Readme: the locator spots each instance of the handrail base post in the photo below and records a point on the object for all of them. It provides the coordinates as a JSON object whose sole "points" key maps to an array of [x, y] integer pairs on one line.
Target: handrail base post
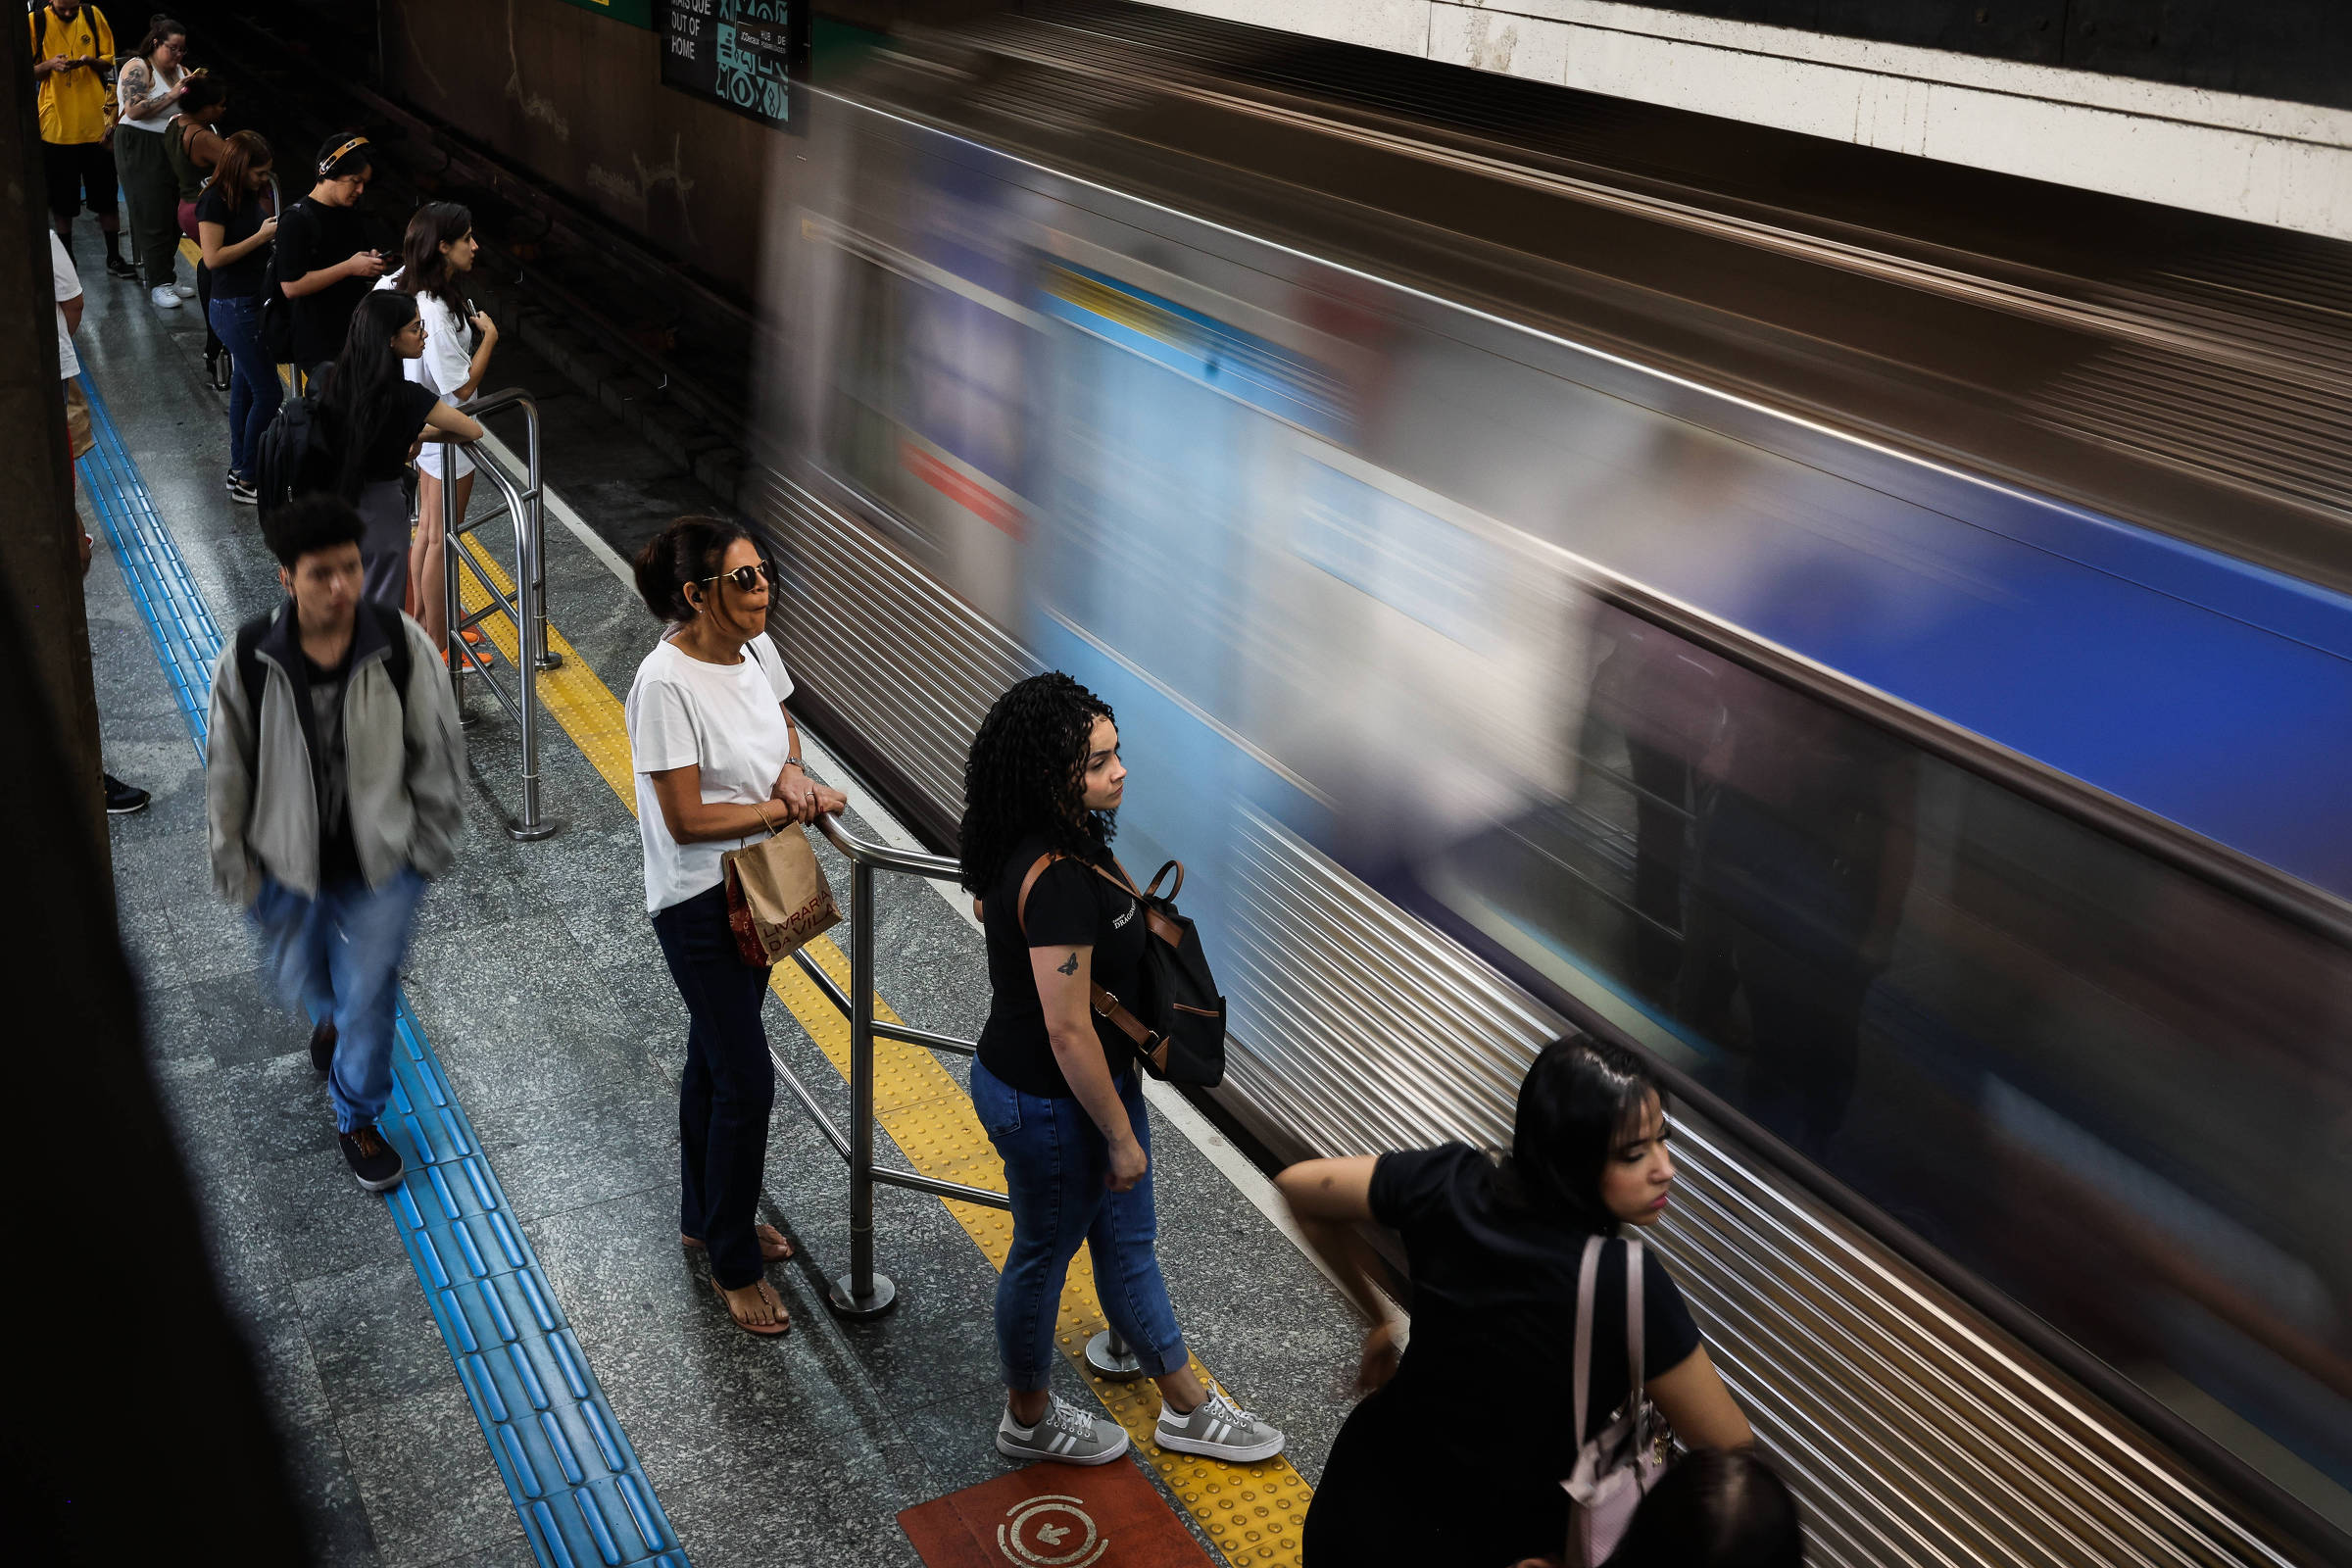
{"points": [[1108, 1358], [544, 828], [851, 1309]]}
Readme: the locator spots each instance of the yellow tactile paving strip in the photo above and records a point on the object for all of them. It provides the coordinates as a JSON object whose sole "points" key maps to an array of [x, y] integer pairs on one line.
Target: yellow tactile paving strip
{"points": [[1251, 1512]]}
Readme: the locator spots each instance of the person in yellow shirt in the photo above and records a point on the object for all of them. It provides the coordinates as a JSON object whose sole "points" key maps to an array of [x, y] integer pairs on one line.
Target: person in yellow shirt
{"points": [[72, 48]]}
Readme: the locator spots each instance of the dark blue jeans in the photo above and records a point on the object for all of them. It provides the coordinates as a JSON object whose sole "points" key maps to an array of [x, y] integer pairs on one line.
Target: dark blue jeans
{"points": [[253, 390], [1055, 1162], [729, 1087], [337, 957]]}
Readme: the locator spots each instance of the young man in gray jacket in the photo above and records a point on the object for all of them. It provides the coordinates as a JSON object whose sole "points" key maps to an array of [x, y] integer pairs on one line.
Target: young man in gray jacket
{"points": [[333, 772]]}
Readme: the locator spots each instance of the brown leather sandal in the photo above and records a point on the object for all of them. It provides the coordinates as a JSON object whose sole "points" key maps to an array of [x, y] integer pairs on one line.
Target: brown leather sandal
{"points": [[774, 1246], [767, 1331]]}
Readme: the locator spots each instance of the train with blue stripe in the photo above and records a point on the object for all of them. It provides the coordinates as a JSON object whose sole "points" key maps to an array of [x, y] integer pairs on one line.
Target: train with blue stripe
{"points": [[1894, 667]]}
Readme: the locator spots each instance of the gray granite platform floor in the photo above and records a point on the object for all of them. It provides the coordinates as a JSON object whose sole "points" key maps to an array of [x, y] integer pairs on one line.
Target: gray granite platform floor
{"points": [[536, 975]]}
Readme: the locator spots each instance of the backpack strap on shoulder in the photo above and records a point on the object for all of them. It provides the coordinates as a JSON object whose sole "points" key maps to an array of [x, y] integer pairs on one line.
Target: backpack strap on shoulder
{"points": [[1105, 1004], [249, 664]]}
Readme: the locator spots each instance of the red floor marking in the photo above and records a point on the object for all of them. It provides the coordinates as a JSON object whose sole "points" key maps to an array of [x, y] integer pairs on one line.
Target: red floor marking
{"points": [[1054, 1516]]}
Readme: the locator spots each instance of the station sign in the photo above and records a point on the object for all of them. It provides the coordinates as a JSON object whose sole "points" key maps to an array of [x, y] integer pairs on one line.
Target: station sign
{"points": [[749, 56]]}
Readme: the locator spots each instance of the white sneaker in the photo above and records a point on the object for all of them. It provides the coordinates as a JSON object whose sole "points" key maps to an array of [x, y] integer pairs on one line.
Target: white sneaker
{"points": [[165, 297], [1064, 1434], [186, 291], [1218, 1429]]}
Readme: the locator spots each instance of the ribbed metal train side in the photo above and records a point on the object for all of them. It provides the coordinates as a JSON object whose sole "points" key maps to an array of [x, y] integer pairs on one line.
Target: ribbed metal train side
{"points": [[1915, 1429]]}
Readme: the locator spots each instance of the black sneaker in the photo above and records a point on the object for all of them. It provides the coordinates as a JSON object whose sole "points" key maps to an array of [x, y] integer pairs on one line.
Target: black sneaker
{"points": [[375, 1162], [122, 800], [116, 267], [323, 1046], [243, 491]]}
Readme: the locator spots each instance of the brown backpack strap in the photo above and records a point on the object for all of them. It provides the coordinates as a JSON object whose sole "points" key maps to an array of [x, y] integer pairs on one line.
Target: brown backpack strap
{"points": [[1105, 1004]]}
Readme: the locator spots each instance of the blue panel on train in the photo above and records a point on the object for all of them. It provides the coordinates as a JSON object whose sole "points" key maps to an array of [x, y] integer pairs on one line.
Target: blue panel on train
{"points": [[1263, 374], [2209, 691]]}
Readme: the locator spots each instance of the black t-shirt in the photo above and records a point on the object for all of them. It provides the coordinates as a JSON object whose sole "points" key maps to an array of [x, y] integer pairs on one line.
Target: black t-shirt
{"points": [[383, 450], [387, 451], [330, 770], [312, 236], [1494, 1298], [242, 277], [1071, 906]]}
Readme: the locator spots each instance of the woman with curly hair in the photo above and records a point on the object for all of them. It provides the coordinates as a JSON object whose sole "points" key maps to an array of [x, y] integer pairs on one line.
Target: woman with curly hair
{"points": [[1058, 1096]]}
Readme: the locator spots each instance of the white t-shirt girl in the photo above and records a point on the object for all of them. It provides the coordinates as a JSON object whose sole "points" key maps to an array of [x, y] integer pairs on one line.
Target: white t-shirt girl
{"points": [[728, 720]]}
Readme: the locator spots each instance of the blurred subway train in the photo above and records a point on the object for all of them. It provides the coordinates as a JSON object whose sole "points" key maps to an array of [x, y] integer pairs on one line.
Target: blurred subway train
{"points": [[1875, 636]]}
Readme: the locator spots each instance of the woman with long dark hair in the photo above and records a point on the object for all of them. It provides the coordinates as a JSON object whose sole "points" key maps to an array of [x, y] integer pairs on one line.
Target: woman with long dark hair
{"points": [[1060, 1099], [375, 420], [148, 88], [1433, 1467], [437, 253], [718, 766], [235, 226]]}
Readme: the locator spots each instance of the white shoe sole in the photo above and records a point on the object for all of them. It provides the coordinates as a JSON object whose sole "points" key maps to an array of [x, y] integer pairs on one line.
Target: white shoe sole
{"points": [[1218, 1450], [1011, 1450]]}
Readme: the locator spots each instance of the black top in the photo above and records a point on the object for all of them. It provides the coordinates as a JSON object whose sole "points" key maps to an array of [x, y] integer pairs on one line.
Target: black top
{"points": [[385, 454], [312, 236], [330, 769], [1494, 1306], [242, 277], [1071, 906]]}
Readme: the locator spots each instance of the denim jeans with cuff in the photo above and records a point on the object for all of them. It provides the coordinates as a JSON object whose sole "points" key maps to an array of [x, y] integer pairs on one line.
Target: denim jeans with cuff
{"points": [[1056, 1165]]}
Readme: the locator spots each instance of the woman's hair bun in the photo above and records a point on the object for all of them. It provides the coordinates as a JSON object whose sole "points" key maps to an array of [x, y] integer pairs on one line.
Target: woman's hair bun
{"points": [[689, 550]]}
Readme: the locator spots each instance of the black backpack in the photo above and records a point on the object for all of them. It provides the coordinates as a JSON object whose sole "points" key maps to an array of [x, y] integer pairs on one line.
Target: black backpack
{"points": [[1178, 1023], [291, 455], [397, 663]]}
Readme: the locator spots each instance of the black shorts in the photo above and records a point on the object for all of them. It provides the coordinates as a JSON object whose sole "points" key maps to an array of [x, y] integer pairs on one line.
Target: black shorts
{"points": [[79, 172]]}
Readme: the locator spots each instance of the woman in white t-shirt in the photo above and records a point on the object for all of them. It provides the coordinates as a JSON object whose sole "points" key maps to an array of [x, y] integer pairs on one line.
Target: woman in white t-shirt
{"points": [[436, 254], [718, 763]]}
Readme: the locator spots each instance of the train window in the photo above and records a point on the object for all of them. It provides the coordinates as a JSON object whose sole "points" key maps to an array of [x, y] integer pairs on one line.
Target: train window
{"points": [[2110, 1088], [928, 403]]}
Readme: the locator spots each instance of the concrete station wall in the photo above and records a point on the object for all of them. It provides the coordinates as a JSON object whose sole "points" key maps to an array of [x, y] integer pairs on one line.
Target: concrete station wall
{"points": [[577, 98]]}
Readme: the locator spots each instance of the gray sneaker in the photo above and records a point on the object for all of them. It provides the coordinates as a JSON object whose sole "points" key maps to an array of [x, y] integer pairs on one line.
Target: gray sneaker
{"points": [[1218, 1429], [1064, 1434]]}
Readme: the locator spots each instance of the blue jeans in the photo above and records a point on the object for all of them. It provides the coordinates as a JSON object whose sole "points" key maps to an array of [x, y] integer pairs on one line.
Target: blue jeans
{"points": [[253, 390], [337, 957], [1056, 1165]]}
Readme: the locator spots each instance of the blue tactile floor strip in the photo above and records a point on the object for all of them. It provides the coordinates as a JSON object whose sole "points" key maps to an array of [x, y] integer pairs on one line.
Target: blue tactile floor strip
{"points": [[575, 1480]]}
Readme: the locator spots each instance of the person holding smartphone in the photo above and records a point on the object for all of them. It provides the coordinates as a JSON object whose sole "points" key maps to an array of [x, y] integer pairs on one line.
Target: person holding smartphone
{"points": [[153, 81], [327, 260], [436, 255]]}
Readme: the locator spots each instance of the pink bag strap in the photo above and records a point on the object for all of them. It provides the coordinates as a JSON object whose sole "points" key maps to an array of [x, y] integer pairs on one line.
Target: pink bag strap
{"points": [[1588, 1277], [1588, 1291]]}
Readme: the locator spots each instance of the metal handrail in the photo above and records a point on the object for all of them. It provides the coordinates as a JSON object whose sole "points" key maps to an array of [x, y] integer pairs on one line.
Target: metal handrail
{"points": [[526, 606], [861, 1292]]}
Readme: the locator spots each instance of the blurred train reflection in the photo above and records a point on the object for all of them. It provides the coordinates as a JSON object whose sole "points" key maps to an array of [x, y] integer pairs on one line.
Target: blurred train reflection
{"points": [[1983, 847]]}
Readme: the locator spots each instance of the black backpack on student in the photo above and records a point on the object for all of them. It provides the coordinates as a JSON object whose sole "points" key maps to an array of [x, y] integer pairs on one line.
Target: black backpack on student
{"points": [[396, 662], [291, 454], [1178, 1023]]}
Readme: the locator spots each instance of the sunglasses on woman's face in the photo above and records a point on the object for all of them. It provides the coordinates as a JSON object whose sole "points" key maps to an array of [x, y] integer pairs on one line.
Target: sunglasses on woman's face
{"points": [[744, 577]]}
